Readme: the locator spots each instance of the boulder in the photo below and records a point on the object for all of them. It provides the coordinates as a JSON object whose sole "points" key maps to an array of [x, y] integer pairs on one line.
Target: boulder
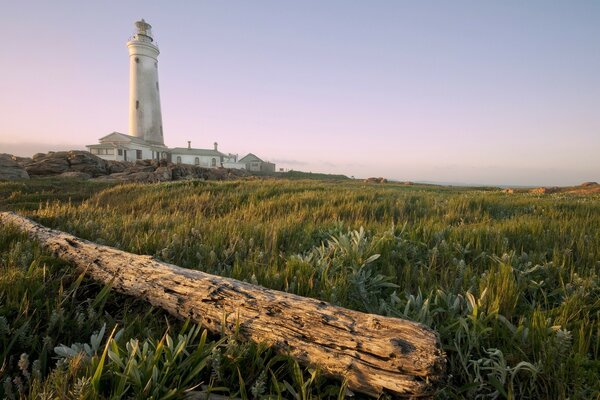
{"points": [[50, 164], [143, 177], [10, 169], [181, 171], [545, 190], [144, 163], [163, 174], [22, 161], [113, 167], [376, 180], [130, 169], [217, 174], [83, 161]]}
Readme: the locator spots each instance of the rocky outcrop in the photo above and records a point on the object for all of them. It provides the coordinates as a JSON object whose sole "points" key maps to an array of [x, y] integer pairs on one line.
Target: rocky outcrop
{"points": [[376, 180], [10, 168], [84, 165], [83, 161], [545, 190], [49, 164], [57, 163]]}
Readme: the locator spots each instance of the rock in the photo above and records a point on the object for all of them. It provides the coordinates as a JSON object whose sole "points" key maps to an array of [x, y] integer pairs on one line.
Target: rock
{"points": [[376, 180], [22, 161], [545, 190], [116, 166], [83, 161], [143, 177], [180, 171], [144, 163], [130, 169], [163, 173], [588, 184], [56, 163], [50, 164], [75, 175], [10, 169], [217, 174]]}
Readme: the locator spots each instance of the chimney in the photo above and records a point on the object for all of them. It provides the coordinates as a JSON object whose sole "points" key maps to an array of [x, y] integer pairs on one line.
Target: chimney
{"points": [[216, 144], [189, 144]]}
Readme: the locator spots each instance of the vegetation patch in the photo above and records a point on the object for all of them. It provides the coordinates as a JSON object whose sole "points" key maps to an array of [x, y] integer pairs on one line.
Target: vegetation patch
{"points": [[510, 282]]}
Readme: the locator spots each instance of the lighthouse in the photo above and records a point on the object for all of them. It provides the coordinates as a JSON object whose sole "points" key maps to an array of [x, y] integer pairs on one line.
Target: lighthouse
{"points": [[145, 119], [145, 139]]}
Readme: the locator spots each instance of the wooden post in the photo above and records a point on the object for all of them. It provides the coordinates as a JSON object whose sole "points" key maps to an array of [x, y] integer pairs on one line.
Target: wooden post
{"points": [[375, 354]]}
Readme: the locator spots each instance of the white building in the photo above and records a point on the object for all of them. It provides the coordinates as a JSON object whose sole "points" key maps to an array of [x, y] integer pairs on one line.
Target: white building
{"points": [[206, 158], [120, 147]]}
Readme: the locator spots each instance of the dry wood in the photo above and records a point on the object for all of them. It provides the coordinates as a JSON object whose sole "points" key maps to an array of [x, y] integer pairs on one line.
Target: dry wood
{"points": [[374, 354]]}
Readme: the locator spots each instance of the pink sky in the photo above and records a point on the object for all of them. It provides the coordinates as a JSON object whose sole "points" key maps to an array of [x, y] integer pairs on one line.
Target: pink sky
{"points": [[504, 93]]}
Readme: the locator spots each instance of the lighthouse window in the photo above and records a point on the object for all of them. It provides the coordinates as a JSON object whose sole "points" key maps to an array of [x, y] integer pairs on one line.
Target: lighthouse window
{"points": [[137, 104], [156, 85], [137, 60]]}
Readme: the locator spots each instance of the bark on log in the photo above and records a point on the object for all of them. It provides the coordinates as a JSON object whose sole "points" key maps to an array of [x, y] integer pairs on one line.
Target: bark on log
{"points": [[375, 354]]}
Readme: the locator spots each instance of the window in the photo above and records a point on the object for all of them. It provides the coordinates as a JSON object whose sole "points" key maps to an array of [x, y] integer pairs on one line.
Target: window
{"points": [[213, 162], [137, 60], [103, 151], [197, 161], [138, 154], [157, 85], [137, 104], [120, 152], [178, 160]]}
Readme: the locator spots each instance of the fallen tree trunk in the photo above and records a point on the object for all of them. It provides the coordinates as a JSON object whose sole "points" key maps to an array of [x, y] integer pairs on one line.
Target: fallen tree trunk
{"points": [[375, 354]]}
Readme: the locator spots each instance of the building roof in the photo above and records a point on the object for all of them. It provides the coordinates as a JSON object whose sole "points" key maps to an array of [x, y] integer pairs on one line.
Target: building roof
{"points": [[249, 158], [196, 152], [119, 137], [106, 146]]}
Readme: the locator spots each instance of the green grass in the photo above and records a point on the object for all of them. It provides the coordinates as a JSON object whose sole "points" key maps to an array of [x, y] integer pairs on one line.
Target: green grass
{"points": [[510, 282]]}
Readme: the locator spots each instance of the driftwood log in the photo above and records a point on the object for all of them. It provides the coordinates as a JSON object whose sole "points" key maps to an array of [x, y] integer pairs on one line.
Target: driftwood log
{"points": [[375, 354]]}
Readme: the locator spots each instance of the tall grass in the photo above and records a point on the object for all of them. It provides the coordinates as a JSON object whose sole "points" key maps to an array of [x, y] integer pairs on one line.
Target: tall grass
{"points": [[509, 281]]}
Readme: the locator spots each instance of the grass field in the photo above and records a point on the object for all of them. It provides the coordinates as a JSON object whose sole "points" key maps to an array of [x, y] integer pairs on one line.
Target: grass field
{"points": [[510, 282]]}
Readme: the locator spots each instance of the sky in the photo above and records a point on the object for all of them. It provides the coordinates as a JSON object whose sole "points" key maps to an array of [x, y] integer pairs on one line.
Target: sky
{"points": [[503, 93]]}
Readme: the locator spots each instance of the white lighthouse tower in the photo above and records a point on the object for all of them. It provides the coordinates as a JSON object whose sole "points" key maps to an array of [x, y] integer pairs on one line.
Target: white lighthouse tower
{"points": [[145, 119]]}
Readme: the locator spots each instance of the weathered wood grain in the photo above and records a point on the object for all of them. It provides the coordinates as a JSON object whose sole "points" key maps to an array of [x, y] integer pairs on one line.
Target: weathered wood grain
{"points": [[375, 354]]}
